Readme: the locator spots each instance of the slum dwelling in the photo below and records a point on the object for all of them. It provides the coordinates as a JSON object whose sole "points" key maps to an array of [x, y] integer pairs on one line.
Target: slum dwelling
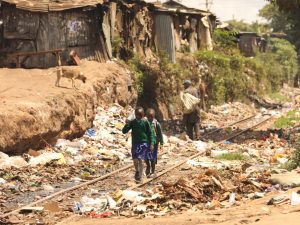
{"points": [[180, 27], [37, 34], [139, 27]]}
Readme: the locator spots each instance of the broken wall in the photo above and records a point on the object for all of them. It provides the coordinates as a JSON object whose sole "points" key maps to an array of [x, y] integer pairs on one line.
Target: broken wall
{"points": [[76, 29], [132, 25]]}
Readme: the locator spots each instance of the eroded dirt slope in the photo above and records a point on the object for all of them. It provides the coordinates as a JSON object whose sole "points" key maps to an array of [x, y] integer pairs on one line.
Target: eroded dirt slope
{"points": [[33, 111]]}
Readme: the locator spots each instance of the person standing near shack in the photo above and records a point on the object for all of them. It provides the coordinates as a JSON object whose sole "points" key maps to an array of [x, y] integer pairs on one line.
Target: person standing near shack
{"points": [[191, 120]]}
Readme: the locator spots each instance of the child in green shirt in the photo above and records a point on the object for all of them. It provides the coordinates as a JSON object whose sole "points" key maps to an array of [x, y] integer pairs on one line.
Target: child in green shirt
{"points": [[158, 136], [142, 141]]}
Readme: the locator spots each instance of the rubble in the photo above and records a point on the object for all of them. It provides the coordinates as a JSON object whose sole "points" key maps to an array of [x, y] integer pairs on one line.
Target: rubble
{"points": [[231, 111], [209, 189]]}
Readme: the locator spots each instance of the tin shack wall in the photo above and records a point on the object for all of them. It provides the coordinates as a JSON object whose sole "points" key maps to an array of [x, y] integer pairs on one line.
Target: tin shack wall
{"points": [[75, 29]]}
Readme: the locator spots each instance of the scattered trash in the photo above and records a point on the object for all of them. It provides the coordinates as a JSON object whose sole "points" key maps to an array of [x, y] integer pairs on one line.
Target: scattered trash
{"points": [[91, 132], [218, 153], [94, 214], [232, 199], [47, 157], [90, 204], [14, 161], [295, 199], [48, 188], [31, 209], [2, 181], [277, 200]]}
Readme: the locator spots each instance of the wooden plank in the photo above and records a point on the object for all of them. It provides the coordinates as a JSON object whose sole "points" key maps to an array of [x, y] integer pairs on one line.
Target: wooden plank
{"points": [[35, 53]]}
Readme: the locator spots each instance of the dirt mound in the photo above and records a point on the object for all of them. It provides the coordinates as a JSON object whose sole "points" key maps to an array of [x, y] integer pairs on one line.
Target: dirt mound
{"points": [[34, 111]]}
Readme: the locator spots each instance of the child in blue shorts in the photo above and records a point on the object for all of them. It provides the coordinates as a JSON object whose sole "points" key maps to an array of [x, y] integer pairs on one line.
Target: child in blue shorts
{"points": [[151, 159]]}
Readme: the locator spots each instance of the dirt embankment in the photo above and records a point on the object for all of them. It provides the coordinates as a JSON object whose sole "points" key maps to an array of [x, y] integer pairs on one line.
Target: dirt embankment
{"points": [[33, 111]]}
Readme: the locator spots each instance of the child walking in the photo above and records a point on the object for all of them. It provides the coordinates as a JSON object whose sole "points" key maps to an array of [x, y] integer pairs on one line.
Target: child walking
{"points": [[151, 160], [142, 141]]}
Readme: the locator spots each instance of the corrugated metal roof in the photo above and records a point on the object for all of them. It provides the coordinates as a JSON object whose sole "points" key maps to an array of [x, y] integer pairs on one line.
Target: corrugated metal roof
{"points": [[51, 5], [172, 6]]}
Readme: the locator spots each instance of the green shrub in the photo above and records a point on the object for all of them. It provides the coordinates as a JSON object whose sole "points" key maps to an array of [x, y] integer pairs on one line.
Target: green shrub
{"points": [[231, 156], [288, 120]]}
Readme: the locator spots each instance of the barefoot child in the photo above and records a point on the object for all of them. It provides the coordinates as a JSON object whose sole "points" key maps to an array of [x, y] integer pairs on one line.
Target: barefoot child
{"points": [[158, 137], [142, 141]]}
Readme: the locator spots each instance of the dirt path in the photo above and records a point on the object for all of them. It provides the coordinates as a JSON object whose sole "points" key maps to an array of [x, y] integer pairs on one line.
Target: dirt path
{"points": [[33, 109]]}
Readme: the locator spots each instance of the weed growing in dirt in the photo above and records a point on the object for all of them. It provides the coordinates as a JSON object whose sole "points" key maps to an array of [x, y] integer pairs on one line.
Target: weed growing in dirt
{"points": [[277, 96], [294, 162], [289, 120], [231, 156]]}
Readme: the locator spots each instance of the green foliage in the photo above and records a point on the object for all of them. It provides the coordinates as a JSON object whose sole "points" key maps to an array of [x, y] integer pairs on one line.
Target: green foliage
{"points": [[242, 26], [139, 74], [116, 46], [294, 162], [227, 81], [288, 121], [224, 39], [277, 96], [287, 56], [231, 156], [278, 21]]}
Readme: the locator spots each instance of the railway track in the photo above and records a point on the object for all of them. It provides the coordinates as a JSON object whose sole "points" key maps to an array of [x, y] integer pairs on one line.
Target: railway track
{"points": [[122, 172]]}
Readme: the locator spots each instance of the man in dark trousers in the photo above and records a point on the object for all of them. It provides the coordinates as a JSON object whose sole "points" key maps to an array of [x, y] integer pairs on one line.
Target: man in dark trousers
{"points": [[192, 120]]}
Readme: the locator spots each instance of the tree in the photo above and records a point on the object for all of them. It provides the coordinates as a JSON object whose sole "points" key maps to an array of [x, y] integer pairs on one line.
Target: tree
{"points": [[278, 20], [286, 17], [242, 26]]}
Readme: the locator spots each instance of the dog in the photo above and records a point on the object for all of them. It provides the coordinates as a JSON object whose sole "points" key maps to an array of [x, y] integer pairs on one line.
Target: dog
{"points": [[70, 73]]}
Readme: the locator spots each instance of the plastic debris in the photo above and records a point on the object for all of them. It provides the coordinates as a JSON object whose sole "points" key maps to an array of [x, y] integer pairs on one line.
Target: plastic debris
{"points": [[46, 158], [91, 132], [14, 161], [295, 199], [2, 181], [232, 199], [218, 153], [92, 204]]}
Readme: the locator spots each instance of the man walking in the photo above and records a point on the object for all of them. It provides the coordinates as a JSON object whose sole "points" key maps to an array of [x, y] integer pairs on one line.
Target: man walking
{"points": [[192, 120]]}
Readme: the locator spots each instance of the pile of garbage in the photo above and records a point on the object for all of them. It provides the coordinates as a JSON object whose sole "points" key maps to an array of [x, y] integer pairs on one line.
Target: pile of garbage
{"points": [[209, 189], [269, 149], [229, 112], [102, 148], [104, 141]]}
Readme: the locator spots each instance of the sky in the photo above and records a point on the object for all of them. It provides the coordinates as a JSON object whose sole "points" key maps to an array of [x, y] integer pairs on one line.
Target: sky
{"points": [[246, 10]]}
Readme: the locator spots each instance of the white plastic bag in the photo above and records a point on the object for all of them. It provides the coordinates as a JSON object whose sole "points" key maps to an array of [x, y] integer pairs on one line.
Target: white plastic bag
{"points": [[189, 101], [295, 199]]}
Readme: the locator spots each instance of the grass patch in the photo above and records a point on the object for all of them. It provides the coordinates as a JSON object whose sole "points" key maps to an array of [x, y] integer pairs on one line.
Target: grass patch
{"points": [[277, 96], [288, 121], [293, 163], [231, 156]]}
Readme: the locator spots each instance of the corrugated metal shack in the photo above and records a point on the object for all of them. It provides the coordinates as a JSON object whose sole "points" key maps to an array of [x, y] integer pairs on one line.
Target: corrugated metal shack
{"points": [[247, 42], [37, 26], [99, 29], [180, 27]]}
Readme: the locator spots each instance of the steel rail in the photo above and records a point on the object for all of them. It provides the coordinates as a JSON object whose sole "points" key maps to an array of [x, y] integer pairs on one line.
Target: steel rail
{"points": [[227, 126]]}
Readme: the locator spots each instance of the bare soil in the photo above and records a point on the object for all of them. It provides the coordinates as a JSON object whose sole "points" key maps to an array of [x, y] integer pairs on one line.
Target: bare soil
{"points": [[34, 111]]}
